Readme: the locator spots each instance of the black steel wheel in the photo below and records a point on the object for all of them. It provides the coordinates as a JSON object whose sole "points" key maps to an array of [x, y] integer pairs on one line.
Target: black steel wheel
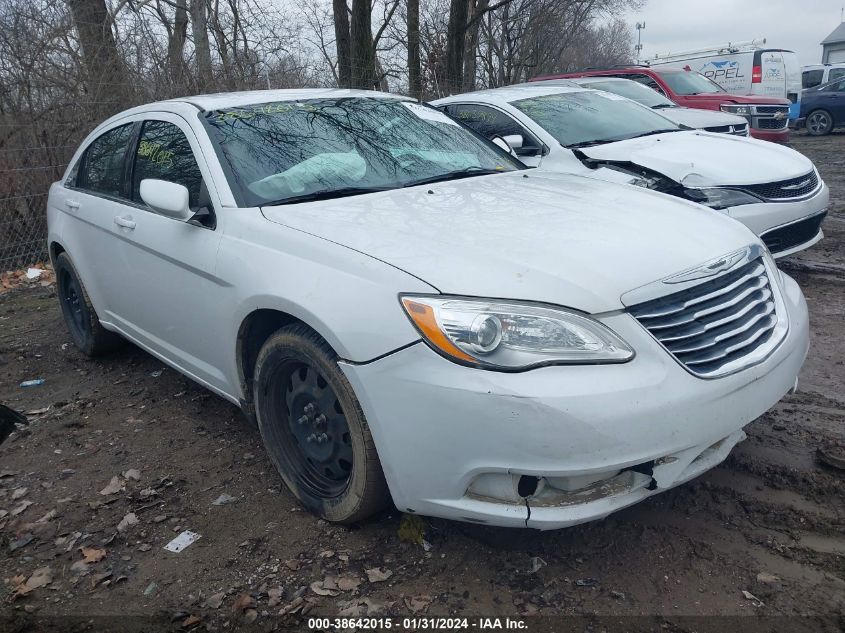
{"points": [[314, 429], [80, 317]]}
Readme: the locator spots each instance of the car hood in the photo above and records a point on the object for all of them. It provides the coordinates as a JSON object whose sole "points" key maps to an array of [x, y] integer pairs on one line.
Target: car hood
{"points": [[700, 119], [701, 159], [536, 236]]}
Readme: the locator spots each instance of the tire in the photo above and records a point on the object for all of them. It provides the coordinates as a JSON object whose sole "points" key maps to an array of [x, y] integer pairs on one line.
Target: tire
{"points": [[819, 123], [81, 319], [314, 429]]}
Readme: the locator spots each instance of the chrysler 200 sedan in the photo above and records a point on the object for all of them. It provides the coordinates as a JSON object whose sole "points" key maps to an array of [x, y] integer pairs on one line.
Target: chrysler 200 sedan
{"points": [[409, 314], [773, 190]]}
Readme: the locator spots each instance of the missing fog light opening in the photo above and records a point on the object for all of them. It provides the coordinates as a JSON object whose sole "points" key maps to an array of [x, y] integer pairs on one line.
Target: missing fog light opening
{"points": [[527, 486]]}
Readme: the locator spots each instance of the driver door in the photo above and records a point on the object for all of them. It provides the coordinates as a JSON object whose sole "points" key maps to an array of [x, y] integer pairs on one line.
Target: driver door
{"points": [[171, 291]]}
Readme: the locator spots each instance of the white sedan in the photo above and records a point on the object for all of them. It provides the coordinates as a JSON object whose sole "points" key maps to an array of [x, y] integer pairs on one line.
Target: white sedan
{"points": [[773, 190], [695, 118], [408, 313]]}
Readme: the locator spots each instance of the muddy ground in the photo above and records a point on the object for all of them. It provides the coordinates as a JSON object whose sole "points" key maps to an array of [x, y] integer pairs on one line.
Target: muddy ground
{"points": [[763, 535]]}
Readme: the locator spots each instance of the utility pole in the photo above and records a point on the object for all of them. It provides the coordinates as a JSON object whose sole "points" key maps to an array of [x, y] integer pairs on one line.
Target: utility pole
{"points": [[639, 46]]}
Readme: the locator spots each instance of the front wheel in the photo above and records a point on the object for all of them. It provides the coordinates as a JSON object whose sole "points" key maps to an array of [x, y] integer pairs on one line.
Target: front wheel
{"points": [[819, 123], [314, 429]]}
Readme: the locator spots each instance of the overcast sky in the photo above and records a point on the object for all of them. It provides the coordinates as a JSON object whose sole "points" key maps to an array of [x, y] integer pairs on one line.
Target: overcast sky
{"points": [[679, 25]]}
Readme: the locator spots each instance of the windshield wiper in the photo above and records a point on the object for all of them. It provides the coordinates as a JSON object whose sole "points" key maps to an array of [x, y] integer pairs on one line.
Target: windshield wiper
{"points": [[660, 106], [454, 175], [652, 133], [597, 141], [343, 192]]}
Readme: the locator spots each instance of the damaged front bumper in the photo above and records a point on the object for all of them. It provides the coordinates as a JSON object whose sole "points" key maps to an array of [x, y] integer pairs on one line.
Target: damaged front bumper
{"points": [[557, 446]]}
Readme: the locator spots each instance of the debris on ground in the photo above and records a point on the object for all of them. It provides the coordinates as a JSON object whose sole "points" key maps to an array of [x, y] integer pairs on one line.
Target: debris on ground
{"points": [[377, 575], [586, 582], [22, 585], [39, 275], [114, 486], [182, 541], [754, 599], [412, 529], [223, 500], [831, 457]]}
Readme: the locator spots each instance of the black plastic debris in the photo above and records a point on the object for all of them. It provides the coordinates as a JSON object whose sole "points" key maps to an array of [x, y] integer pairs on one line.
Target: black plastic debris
{"points": [[8, 419]]}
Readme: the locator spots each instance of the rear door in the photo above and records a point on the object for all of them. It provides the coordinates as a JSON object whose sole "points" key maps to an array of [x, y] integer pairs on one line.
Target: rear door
{"points": [[833, 99], [95, 193], [773, 75], [171, 290]]}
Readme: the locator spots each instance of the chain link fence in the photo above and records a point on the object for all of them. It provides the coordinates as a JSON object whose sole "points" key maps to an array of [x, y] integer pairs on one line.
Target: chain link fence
{"points": [[33, 155]]}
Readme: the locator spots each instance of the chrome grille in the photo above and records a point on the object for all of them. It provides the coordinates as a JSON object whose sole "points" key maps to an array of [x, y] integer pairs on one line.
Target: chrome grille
{"points": [[771, 124], [784, 189], [771, 109], [712, 325]]}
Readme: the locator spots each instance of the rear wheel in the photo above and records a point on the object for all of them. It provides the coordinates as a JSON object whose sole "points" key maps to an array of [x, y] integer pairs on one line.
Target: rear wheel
{"points": [[314, 429], [819, 122], [80, 317]]}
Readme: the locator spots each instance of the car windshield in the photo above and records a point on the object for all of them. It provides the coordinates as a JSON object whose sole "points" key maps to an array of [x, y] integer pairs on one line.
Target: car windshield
{"points": [[690, 83], [577, 119], [291, 151], [633, 90]]}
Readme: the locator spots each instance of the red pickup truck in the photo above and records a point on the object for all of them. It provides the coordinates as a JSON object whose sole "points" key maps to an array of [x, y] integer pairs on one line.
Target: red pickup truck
{"points": [[768, 117]]}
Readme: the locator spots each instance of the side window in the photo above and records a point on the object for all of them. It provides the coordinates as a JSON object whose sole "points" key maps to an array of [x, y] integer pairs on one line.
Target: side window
{"points": [[102, 166], [647, 81], [836, 73], [811, 78], [490, 122], [165, 154]]}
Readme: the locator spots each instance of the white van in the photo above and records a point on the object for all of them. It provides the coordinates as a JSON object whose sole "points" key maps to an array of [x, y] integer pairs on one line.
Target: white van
{"points": [[745, 69], [818, 74]]}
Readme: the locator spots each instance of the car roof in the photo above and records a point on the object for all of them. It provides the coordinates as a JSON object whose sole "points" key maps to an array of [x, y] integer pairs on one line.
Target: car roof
{"points": [[598, 78], [242, 99], [507, 94], [224, 100]]}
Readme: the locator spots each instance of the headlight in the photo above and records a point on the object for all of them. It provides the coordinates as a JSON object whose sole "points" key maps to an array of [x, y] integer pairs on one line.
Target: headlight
{"points": [[720, 197], [741, 110], [511, 335]]}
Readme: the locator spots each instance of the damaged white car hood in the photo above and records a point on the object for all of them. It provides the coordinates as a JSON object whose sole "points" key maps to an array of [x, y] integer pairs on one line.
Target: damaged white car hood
{"points": [[528, 235], [708, 160]]}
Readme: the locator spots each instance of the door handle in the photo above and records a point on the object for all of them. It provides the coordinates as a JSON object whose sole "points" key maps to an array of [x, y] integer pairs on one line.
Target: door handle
{"points": [[126, 223], [72, 204]]}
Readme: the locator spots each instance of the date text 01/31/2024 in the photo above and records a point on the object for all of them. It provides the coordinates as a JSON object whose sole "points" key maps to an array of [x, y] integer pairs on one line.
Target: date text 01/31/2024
{"points": [[416, 624]]}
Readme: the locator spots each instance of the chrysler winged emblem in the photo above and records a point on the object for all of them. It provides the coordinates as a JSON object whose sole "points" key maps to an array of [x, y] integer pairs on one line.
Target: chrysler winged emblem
{"points": [[799, 185], [709, 269]]}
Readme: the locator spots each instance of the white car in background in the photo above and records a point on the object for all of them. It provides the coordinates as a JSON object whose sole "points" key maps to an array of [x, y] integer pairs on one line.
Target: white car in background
{"points": [[773, 190], [820, 74], [410, 313], [707, 120]]}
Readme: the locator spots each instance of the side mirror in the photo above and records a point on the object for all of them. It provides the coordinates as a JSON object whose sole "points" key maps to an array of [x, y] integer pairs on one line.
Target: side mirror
{"points": [[167, 198], [500, 142], [514, 141]]}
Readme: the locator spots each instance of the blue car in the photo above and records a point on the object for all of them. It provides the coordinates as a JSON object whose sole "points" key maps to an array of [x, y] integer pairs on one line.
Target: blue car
{"points": [[823, 108]]}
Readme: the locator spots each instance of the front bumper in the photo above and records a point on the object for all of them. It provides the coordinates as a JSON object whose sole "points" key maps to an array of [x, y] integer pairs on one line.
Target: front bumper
{"points": [[764, 217], [775, 136], [442, 429]]}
